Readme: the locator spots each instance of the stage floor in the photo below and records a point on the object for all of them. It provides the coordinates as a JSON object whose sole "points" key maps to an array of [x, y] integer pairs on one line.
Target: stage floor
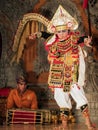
{"points": [[74, 126]]}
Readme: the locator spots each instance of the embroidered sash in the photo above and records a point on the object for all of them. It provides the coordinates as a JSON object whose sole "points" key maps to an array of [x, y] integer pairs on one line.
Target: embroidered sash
{"points": [[64, 69]]}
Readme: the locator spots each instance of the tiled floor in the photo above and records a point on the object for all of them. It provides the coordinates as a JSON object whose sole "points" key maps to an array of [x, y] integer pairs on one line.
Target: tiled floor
{"points": [[74, 126]]}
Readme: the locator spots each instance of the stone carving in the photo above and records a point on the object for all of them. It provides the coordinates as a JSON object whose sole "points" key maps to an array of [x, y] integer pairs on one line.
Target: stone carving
{"points": [[91, 75]]}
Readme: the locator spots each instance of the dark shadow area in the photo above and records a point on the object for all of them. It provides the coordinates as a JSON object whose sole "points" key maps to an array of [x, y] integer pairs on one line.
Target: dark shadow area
{"points": [[0, 45]]}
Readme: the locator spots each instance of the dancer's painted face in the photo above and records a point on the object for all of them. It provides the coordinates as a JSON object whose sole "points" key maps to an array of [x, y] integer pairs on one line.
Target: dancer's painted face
{"points": [[62, 34]]}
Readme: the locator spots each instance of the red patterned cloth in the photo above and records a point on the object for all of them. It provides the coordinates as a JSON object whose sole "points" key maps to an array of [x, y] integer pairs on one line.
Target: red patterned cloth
{"points": [[4, 92], [23, 116]]}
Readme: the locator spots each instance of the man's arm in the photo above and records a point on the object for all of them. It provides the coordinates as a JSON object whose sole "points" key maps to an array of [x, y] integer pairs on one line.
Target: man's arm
{"points": [[42, 34], [34, 104], [81, 39], [10, 101], [86, 40], [45, 34]]}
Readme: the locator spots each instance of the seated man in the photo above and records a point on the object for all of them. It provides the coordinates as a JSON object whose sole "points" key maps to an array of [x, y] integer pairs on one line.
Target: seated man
{"points": [[21, 97]]}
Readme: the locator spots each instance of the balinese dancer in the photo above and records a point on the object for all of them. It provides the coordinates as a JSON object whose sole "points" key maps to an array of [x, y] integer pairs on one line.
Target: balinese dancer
{"points": [[67, 66]]}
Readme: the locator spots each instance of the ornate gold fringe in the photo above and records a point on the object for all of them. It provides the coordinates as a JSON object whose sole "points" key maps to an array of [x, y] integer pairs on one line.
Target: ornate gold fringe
{"points": [[23, 32]]}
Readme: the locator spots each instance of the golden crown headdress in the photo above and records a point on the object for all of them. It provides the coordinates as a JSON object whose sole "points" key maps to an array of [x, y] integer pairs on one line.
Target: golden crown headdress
{"points": [[62, 20]]}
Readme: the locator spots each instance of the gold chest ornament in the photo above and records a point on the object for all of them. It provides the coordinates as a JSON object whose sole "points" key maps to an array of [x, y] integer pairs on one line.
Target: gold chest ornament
{"points": [[64, 68]]}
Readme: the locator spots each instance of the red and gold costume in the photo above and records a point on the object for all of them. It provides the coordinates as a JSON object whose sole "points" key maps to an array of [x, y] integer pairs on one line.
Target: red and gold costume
{"points": [[67, 65], [64, 60]]}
